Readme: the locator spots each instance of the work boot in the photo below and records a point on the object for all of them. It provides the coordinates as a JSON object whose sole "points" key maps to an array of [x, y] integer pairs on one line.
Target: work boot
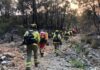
{"points": [[36, 64], [28, 68], [42, 54], [57, 54]]}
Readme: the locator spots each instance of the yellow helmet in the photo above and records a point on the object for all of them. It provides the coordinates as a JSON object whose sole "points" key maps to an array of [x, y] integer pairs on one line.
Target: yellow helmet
{"points": [[57, 31], [33, 25]]}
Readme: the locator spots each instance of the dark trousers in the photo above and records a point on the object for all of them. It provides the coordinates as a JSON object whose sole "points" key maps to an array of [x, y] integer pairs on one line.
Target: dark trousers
{"points": [[31, 49], [56, 46]]}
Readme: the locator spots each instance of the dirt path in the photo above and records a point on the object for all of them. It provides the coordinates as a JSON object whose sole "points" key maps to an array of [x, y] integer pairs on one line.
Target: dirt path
{"points": [[52, 62], [48, 62]]}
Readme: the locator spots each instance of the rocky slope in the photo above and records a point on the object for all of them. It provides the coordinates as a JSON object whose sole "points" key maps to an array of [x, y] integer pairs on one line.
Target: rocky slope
{"points": [[71, 57]]}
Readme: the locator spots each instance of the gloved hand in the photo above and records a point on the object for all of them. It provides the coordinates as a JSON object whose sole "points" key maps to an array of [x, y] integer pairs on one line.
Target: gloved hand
{"points": [[47, 43], [60, 43]]}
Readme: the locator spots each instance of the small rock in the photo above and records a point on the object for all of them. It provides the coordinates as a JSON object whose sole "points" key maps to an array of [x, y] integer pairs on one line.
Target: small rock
{"points": [[98, 36], [3, 57], [4, 62], [8, 54]]}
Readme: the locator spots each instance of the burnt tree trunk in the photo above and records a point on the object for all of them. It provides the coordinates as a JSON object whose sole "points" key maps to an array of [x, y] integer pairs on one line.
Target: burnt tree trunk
{"points": [[34, 16]]}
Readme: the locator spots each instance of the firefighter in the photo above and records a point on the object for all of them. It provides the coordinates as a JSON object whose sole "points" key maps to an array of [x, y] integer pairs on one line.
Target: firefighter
{"points": [[31, 39], [57, 41]]}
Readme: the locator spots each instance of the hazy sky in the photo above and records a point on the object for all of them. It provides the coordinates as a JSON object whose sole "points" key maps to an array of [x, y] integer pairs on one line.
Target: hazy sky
{"points": [[73, 5]]}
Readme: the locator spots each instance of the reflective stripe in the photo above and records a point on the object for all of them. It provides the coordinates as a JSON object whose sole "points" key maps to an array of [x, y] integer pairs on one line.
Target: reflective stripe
{"points": [[56, 50], [55, 42], [35, 44], [36, 61], [28, 64]]}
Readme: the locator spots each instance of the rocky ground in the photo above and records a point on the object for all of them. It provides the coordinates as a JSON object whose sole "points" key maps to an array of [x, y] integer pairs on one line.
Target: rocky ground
{"points": [[71, 57], [11, 58]]}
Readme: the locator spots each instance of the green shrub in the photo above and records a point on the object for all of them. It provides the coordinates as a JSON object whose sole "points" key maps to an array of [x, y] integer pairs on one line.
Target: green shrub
{"points": [[3, 27], [77, 63]]}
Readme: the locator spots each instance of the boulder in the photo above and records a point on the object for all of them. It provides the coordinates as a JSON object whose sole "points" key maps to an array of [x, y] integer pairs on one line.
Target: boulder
{"points": [[9, 55]]}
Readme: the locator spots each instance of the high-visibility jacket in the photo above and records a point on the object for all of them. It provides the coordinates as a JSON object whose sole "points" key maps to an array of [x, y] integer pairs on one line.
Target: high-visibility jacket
{"points": [[46, 36], [35, 34]]}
